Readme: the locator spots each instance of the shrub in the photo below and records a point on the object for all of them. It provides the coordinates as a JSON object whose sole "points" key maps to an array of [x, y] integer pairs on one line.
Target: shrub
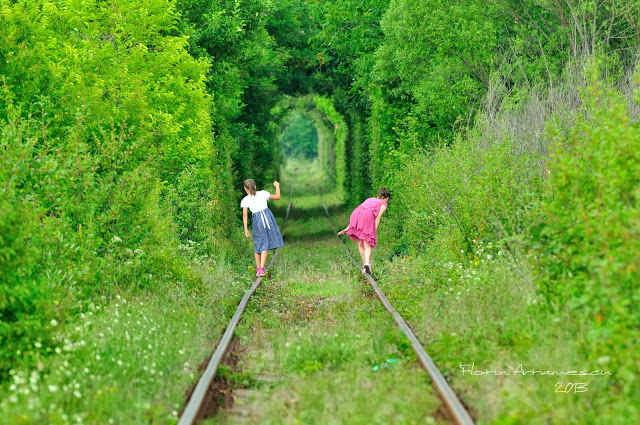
{"points": [[587, 231], [25, 300]]}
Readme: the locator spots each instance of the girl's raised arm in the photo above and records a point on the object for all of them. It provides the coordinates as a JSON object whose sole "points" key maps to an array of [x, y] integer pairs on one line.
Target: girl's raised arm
{"points": [[277, 195]]}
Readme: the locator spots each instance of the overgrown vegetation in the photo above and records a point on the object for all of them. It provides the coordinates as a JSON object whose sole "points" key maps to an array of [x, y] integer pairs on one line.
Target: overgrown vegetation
{"points": [[507, 132]]}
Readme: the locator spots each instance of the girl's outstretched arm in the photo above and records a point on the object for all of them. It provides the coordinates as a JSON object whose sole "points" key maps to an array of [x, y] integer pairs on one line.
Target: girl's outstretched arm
{"points": [[277, 195], [343, 232], [383, 208], [244, 220]]}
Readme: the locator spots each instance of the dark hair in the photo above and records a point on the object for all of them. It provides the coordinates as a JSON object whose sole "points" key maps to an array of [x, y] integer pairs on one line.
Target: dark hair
{"points": [[251, 185], [384, 193]]}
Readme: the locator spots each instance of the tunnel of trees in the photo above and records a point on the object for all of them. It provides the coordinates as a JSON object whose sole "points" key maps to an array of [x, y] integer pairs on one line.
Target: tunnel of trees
{"points": [[128, 128]]}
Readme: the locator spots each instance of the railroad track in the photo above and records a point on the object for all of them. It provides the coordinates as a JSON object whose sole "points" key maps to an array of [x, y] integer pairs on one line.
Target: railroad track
{"points": [[458, 412], [192, 413]]}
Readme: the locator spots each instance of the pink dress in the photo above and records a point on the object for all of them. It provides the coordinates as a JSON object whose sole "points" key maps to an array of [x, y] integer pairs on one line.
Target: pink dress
{"points": [[362, 224]]}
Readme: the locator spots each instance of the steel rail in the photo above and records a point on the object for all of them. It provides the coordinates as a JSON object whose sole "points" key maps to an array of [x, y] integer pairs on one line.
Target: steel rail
{"points": [[458, 412], [191, 413]]}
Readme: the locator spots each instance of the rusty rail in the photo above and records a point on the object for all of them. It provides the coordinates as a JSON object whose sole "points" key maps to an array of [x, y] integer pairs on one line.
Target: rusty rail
{"points": [[191, 413]]}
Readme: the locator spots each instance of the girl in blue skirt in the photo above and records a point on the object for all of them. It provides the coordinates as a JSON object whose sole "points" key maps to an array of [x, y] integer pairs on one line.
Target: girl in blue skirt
{"points": [[266, 235]]}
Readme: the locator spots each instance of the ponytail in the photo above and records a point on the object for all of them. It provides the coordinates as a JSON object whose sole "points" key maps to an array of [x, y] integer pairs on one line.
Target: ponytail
{"points": [[251, 185]]}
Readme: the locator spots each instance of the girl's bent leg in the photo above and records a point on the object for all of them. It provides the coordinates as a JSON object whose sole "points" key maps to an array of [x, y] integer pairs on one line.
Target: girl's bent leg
{"points": [[367, 253], [263, 258], [257, 260]]}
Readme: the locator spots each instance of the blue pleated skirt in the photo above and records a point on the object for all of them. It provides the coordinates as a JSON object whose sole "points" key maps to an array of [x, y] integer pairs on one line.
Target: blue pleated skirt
{"points": [[266, 234]]}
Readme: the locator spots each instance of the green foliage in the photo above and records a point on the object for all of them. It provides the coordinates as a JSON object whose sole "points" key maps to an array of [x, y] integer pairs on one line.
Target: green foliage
{"points": [[299, 136], [81, 231], [230, 37], [292, 25], [412, 73], [349, 36], [437, 57], [340, 134], [326, 141], [587, 231], [143, 347], [102, 102], [195, 218], [591, 203], [25, 309], [460, 195], [125, 127], [492, 219]]}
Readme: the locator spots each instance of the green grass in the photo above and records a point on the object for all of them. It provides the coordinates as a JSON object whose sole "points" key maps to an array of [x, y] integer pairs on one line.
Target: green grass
{"points": [[127, 361], [307, 177], [489, 314]]}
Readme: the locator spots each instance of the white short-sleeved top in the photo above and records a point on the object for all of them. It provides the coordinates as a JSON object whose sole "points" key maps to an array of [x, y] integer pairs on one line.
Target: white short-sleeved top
{"points": [[257, 202]]}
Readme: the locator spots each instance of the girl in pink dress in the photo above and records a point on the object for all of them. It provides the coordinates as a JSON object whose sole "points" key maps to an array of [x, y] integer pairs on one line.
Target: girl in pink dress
{"points": [[363, 224]]}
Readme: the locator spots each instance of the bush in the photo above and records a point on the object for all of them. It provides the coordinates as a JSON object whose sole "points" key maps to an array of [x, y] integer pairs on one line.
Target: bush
{"points": [[460, 195], [562, 205], [25, 300], [587, 231]]}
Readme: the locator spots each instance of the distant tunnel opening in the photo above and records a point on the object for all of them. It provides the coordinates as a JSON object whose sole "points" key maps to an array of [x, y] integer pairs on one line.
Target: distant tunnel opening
{"points": [[299, 136], [311, 138]]}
